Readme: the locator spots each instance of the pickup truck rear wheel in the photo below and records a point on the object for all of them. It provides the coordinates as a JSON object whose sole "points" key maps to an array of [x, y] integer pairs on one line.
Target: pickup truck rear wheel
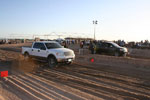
{"points": [[26, 57], [52, 62]]}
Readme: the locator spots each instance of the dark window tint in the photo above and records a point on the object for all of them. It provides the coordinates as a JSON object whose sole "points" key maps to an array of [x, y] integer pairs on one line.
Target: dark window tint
{"points": [[36, 45], [99, 45], [115, 45], [53, 45], [109, 45], [39, 45], [104, 45]]}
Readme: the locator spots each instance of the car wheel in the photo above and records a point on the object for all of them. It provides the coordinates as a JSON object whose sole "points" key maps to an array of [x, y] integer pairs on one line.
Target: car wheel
{"points": [[52, 62], [116, 54], [124, 55], [26, 56]]}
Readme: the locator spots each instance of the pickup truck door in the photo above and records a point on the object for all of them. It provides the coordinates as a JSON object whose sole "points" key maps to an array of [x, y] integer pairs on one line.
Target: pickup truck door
{"points": [[111, 49], [103, 48], [39, 50], [42, 52], [35, 49]]}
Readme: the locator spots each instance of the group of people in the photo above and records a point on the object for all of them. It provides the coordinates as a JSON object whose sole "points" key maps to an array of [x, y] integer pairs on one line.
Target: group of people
{"points": [[92, 46]]}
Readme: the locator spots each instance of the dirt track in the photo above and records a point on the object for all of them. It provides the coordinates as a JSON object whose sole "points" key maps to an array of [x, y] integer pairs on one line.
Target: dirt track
{"points": [[79, 81]]}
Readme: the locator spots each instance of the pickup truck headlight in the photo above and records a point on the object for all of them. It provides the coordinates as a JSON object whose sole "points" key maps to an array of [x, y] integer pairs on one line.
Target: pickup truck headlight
{"points": [[121, 49], [124, 50], [60, 53]]}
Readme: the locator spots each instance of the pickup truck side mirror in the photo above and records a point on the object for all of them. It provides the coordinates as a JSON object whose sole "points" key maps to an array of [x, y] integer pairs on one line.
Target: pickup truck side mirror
{"points": [[42, 48]]}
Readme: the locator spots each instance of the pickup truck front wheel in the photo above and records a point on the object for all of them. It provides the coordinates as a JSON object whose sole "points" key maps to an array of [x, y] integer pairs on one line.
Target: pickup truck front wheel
{"points": [[52, 62], [116, 54]]}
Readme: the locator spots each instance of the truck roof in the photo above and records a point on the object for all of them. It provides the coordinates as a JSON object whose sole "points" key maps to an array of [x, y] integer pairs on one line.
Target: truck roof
{"points": [[45, 42]]}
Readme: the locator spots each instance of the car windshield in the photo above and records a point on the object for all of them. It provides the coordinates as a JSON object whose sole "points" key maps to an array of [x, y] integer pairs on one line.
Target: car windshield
{"points": [[116, 45], [53, 45]]}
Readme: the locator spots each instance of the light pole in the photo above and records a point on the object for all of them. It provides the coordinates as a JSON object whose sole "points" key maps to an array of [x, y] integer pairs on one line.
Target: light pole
{"points": [[95, 22]]}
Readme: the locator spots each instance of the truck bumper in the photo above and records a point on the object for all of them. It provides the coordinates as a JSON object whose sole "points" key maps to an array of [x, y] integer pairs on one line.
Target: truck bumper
{"points": [[65, 60]]}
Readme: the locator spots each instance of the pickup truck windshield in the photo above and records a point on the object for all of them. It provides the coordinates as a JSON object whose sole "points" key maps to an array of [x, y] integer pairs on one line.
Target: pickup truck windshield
{"points": [[53, 45], [116, 45]]}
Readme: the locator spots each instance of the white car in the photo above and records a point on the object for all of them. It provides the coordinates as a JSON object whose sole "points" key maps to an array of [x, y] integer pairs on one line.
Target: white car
{"points": [[50, 51]]}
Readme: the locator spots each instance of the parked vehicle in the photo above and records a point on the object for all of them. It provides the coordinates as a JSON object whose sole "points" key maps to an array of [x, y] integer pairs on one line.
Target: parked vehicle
{"points": [[50, 51], [111, 48]]}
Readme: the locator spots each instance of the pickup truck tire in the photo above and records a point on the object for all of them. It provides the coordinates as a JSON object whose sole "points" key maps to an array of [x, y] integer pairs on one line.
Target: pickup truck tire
{"points": [[124, 55], [26, 56], [52, 62]]}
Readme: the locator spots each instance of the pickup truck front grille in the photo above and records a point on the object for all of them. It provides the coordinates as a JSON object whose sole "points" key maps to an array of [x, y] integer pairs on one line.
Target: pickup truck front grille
{"points": [[68, 54]]}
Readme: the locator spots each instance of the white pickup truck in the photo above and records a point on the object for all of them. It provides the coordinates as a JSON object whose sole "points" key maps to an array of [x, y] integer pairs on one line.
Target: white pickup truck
{"points": [[50, 51]]}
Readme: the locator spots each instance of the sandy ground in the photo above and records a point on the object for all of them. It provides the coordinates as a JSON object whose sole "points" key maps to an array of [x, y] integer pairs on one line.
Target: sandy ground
{"points": [[107, 78]]}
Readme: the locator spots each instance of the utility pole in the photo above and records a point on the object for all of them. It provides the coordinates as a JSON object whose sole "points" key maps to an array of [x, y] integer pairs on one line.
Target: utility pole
{"points": [[95, 22]]}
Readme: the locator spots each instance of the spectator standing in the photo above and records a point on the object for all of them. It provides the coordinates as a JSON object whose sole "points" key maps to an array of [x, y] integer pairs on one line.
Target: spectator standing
{"points": [[91, 47], [64, 44], [81, 44]]}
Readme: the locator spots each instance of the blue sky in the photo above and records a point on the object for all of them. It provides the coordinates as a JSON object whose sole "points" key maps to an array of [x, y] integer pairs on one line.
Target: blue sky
{"points": [[117, 19]]}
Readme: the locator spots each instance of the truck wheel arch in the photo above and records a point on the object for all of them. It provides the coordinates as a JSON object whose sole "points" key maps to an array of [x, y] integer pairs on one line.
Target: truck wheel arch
{"points": [[52, 61], [27, 56], [26, 53], [51, 55]]}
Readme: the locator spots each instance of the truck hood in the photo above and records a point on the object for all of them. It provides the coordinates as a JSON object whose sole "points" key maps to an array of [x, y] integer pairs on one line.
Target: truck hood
{"points": [[61, 50], [124, 49]]}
